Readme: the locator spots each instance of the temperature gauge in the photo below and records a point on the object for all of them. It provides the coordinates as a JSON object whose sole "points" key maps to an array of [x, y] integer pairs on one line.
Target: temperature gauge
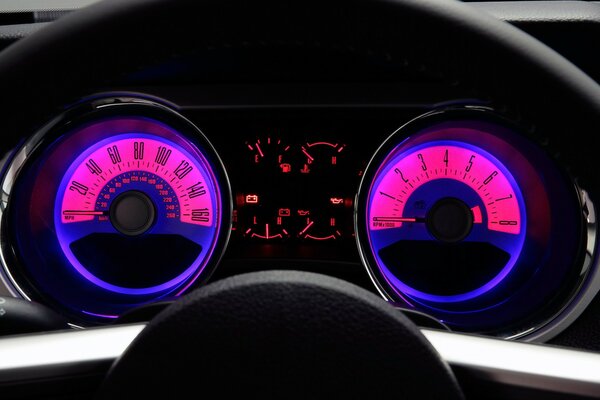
{"points": [[320, 157]]}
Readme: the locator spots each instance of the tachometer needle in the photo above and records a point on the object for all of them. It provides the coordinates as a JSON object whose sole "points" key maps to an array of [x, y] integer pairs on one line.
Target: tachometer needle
{"points": [[397, 219], [84, 212]]}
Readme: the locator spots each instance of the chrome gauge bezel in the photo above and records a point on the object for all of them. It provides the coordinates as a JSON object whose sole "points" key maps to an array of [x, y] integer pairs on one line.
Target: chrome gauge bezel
{"points": [[100, 106], [585, 269]]}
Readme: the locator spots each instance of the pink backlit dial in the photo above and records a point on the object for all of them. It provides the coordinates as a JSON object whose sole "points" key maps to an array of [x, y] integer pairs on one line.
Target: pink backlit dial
{"points": [[187, 180], [462, 164]]}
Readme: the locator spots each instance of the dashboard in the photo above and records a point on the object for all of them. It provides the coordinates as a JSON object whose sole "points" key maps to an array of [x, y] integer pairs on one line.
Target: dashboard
{"points": [[452, 209], [304, 188]]}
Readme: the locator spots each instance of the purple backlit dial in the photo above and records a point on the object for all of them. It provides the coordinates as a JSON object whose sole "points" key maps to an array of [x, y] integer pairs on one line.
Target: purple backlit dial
{"points": [[455, 217], [126, 195], [118, 203], [446, 221]]}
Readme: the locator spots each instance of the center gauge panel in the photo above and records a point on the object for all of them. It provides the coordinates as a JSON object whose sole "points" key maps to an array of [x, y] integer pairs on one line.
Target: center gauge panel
{"points": [[294, 176], [295, 192]]}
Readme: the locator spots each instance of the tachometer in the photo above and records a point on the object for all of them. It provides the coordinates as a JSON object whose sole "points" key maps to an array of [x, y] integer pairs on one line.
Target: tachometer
{"points": [[121, 202], [461, 217], [446, 202]]}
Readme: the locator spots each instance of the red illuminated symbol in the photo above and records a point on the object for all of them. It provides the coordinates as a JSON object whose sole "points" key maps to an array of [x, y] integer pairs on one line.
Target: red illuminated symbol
{"points": [[303, 213], [285, 168], [284, 212], [305, 169], [336, 200], [251, 198]]}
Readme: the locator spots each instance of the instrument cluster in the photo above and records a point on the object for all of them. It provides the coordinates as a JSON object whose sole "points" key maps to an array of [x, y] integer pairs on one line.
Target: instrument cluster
{"points": [[124, 201]]}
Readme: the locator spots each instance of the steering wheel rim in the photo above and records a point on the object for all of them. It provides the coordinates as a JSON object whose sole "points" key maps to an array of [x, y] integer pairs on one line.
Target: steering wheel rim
{"points": [[468, 44], [282, 334]]}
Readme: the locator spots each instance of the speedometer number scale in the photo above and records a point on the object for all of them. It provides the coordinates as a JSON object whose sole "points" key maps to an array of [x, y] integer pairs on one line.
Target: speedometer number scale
{"points": [[118, 203], [148, 189]]}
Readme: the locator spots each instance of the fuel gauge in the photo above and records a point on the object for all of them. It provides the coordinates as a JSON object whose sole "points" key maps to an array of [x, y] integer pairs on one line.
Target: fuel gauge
{"points": [[271, 154]]}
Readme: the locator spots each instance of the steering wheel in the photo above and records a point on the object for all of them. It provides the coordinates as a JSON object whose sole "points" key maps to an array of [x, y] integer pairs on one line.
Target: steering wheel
{"points": [[285, 333]]}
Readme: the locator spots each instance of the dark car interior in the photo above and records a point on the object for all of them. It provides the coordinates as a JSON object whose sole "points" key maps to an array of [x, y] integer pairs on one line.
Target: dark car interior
{"points": [[299, 199]]}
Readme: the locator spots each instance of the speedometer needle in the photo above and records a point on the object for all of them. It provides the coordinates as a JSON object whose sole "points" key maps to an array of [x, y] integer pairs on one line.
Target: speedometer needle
{"points": [[84, 212]]}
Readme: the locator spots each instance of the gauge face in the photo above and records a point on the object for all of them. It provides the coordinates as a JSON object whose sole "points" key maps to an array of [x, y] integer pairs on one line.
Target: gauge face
{"points": [[295, 192], [441, 201], [264, 218], [460, 217], [270, 154], [321, 157], [125, 203], [129, 206]]}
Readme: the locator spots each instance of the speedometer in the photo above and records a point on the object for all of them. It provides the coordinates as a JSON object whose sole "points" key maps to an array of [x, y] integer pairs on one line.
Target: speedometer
{"points": [[462, 217], [134, 213], [118, 203]]}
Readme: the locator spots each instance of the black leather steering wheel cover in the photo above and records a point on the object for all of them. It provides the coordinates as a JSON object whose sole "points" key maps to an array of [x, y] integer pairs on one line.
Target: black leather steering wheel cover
{"points": [[281, 334], [96, 46]]}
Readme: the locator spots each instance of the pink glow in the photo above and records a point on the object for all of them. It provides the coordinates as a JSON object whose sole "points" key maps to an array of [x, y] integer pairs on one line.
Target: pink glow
{"points": [[389, 196], [83, 188]]}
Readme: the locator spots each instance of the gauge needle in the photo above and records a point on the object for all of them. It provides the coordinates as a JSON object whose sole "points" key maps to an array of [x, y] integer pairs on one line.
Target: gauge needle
{"points": [[306, 228], [259, 150], [397, 219], [84, 212], [311, 158]]}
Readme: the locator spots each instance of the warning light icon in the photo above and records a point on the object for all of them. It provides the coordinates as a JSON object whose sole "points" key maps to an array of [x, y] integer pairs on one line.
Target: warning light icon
{"points": [[285, 168], [251, 199]]}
